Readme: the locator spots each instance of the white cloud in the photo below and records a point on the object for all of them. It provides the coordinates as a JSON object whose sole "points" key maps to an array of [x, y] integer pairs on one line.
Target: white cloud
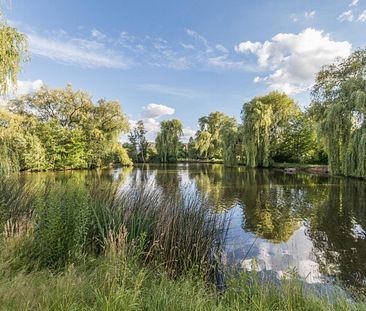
{"points": [[221, 48], [224, 62], [97, 34], [362, 16], [156, 111], [100, 50], [151, 125], [199, 38], [26, 87], [87, 53], [22, 88], [346, 16], [292, 60], [310, 14], [171, 90], [354, 3], [187, 46], [257, 79], [149, 116], [187, 133], [248, 47]]}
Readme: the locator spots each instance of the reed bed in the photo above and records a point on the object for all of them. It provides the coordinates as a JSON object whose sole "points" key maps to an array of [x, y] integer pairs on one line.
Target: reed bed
{"points": [[75, 246]]}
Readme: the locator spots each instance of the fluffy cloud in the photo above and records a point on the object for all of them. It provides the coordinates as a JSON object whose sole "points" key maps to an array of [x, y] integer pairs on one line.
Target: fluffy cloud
{"points": [[248, 47], [156, 111], [354, 3], [346, 16], [292, 60], [150, 115]]}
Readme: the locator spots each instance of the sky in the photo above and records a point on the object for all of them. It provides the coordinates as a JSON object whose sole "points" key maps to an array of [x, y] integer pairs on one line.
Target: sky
{"points": [[167, 59]]}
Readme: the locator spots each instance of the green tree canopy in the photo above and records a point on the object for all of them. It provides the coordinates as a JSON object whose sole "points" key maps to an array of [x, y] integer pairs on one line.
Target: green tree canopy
{"points": [[208, 137], [66, 128], [339, 107], [138, 142], [13, 51], [167, 140], [230, 141], [265, 119]]}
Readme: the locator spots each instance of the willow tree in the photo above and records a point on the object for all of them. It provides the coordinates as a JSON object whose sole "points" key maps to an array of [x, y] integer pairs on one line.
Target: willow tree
{"points": [[73, 131], [203, 143], [167, 140], [230, 142], [208, 136], [13, 51], [339, 106], [265, 119]]}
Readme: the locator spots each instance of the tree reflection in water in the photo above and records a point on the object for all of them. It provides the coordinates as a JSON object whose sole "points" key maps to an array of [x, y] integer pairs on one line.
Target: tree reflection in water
{"points": [[315, 224]]}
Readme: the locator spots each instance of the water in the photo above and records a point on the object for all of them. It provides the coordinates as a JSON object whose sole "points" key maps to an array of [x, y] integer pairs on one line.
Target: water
{"points": [[308, 225]]}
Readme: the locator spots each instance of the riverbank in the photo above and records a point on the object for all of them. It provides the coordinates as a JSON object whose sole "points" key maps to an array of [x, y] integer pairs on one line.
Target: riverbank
{"points": [[117, 282], [68, 247]]}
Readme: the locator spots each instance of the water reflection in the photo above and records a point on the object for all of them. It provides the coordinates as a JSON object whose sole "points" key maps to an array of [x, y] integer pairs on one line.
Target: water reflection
{"points": [[315, 226]]}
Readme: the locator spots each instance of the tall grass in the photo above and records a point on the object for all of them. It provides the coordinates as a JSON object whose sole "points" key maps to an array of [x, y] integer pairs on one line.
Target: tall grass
{"points": [[179, 233], [70, 222], [70, 247]]}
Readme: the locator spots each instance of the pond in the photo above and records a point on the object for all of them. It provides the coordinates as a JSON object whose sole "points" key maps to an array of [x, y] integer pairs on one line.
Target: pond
{"points": [[311, 225]]}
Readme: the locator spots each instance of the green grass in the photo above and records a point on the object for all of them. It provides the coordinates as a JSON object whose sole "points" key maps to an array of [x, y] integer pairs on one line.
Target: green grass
{"points": [[119, 282], [70, 247]]}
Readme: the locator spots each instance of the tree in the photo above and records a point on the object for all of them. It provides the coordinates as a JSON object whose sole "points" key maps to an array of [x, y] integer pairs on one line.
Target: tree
{"points": [[138, 142], [13, 51], [230, 142], [20, 149], [265, 119], [73, 132], [192, 151], [339, 107], [209, 136], [300, 143], [203, 143], [167, 140]]}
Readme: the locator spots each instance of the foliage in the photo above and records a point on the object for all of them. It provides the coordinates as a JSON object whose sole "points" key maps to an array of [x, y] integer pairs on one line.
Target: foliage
{"points": [[138, 142], [167, 140], [339, 107], [264, 122], [208, 137], [62, 128], [119, 282], [230, 142], [13, 51], [300, 143]]}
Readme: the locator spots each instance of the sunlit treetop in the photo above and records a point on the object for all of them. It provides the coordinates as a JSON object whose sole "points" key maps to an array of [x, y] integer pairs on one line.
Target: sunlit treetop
{"points": [[13, 52]]}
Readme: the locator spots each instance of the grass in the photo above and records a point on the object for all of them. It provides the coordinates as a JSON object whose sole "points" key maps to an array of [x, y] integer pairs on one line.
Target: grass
{"points": [[70, 247]]}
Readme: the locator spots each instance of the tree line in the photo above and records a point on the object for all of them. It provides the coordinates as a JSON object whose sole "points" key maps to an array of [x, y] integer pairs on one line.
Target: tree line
{"points": [[273, 128], [63, 128]]}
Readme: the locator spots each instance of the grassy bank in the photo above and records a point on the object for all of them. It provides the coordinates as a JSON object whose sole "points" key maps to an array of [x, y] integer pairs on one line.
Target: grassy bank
{"points": [[118, 282], [70, 247]]}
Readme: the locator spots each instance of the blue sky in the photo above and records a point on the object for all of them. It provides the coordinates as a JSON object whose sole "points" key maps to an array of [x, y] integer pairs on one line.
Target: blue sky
{"points": [[184, 59]]}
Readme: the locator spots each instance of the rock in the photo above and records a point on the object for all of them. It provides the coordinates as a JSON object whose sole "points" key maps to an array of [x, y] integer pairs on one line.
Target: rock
{"points": [[290, 170]]}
